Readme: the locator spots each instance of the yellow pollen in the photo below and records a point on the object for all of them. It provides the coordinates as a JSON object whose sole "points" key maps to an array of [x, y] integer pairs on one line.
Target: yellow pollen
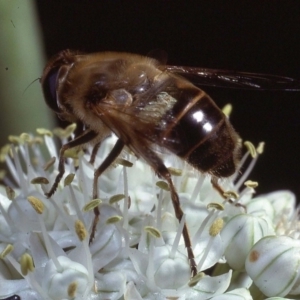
{"points": [[227, 109], [153, 231], [91, 205], [15, 139], [175, 172], [251, 184], [26, 263], [36, 203], [260, 148], [25, 137], [71, 153], [231, 194], [163, 185], [6, 250], [4, 152], [124, 162], [69, 178], [216, 227], [80, 230], [250, 148], [116, 198], [39, 180], [214, 205], [43, 131], [114, 219]]}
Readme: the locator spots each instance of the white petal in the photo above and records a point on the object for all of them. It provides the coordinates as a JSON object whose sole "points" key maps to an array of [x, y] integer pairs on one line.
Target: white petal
{"points": [[209, 287], [273, 264]]}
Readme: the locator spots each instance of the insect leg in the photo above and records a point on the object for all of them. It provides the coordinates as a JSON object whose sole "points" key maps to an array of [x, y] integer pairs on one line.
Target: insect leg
{"points": [[114, 153], [84, 138], [94, 153], [217, 187], [163, 172]]}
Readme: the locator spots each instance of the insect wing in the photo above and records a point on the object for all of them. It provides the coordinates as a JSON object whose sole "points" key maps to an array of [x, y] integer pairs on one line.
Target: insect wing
{"points": [[233, 79]]}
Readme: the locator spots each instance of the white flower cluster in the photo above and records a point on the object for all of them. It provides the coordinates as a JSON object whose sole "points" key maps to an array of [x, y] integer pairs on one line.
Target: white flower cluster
{"points": [[138, 251]]}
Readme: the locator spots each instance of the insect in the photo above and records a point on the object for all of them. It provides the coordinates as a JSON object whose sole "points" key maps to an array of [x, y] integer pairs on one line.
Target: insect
{"points": [[144, 104]]}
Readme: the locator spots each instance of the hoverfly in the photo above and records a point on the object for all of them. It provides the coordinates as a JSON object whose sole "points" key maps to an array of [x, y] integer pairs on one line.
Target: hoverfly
{"points": [[144, 104]]}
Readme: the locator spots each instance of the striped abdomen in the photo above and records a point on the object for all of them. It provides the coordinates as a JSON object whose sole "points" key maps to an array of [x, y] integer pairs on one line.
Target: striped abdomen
{"points": [[200, 133]]}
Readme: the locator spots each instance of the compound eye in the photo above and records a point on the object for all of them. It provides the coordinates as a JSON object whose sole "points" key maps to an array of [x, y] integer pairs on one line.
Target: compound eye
{"points": [[49, 85]]}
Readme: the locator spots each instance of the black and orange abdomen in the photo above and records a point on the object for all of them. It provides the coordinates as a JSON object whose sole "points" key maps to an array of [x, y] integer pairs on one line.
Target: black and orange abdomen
{"points": [[200, 133]]}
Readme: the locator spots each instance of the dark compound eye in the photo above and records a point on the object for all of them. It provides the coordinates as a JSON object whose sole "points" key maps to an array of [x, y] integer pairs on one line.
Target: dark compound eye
{"points": [[49, 89]]}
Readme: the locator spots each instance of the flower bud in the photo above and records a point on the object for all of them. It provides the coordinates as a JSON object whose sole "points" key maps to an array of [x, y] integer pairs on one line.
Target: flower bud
{"points": [[239, 235], [273, 264]]}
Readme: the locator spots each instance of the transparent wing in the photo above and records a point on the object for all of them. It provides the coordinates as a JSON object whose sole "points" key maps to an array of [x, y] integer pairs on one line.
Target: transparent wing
{"points": [[235, 80]]}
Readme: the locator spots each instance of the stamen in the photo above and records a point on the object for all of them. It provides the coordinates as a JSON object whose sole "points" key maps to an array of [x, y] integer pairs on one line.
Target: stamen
{"points": [[91, 205], [116, 198], [80, 230], [82, 179], [30, 278], [10, 193], [49, 142], [216, 227], [9, 248], [75, 203], [150, 267], [152, 231], [64, 133], [217, 206], [246, 173], [21, 175], [159, 209], [6, 216], [231, 194], [199, 232], [227, 109], [69, 179], [126, 201], [163, 185], [251, 184], [113, 219], [16, 140], [49, 163], [194, 280], [175, 172], [251, 149], [260, 148], [123, 162], [38, 205], [4, 152], [197, 188], [44, 131], [71, 153], [12, 169], [177, 238], [26, 263], [39, 180], [206, 251]]}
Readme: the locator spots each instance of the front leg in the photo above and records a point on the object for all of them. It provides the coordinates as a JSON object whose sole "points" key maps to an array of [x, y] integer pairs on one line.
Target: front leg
{"points": [[159, 167], [82, 139], [114, 153]]}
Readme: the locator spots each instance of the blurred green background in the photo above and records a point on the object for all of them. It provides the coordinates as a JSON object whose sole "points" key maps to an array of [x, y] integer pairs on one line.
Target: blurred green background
{"points": [[22, 60]]}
